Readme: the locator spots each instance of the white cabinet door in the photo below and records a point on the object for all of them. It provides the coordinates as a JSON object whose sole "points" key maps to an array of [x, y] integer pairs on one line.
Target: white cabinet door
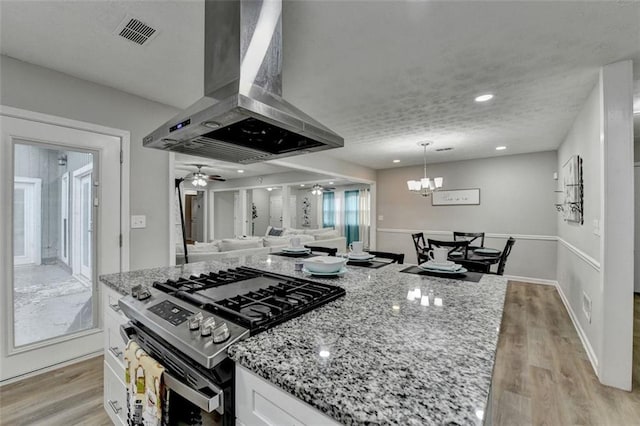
{"points": [[258, 402], [115, 396]]}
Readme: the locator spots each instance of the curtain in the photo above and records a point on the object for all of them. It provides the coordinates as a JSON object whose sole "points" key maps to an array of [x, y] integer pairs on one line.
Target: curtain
{"points": [[338, 206], [351, 219], [364, 216], [328, 210]]}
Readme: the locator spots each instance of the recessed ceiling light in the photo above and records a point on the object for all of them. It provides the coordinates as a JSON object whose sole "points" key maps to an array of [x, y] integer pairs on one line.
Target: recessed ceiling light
{"points": [[240, 171], [330, 183], [396, 161], [484, 98], [269, 189], [500, 148], [302, 184]]}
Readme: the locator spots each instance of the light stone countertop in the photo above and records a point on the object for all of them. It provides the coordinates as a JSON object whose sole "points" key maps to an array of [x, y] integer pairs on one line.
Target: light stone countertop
{"points": [[385, 359]]}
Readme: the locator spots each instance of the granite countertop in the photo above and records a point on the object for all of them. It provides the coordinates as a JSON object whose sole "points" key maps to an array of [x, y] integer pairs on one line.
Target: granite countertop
{"points": [[385, 359]]}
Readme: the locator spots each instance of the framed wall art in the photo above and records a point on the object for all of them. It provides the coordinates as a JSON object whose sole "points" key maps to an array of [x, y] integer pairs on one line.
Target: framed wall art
{"points": [[456, 197]]}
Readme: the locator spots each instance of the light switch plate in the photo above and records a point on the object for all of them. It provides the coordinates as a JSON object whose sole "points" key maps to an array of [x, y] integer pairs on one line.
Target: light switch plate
{"points": [[138, 221], [596, 227]]}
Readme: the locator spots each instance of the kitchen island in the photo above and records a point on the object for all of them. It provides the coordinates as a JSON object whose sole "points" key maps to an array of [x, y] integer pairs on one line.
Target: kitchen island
{"points": [[379, 354]]}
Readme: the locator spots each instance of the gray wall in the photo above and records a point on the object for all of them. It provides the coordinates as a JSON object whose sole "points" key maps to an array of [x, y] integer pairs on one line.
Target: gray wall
{"points": [[301, 194], [223, 214], [516, 198], [576, 276], [34, 88]]}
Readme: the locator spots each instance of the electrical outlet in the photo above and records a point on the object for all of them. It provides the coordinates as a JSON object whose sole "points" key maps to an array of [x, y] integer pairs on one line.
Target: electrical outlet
{"points": [[139, 221], [596, 227], [586, 306], [380, 217]]}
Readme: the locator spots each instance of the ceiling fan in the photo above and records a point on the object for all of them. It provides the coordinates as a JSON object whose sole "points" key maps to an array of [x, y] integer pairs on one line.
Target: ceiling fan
{"points": [[318, 189], [198, 178]]}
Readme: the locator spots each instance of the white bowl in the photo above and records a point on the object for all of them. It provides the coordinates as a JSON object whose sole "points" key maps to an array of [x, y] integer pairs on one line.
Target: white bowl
{"points": [[324, 263]]}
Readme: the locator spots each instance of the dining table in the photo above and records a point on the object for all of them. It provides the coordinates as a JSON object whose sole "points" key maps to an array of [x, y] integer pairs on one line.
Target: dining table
{"points": [[478, 259]]}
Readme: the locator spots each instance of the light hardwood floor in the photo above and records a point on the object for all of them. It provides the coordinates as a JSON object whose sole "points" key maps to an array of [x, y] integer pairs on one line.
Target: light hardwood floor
{"points": [[68, 396], [542, 376]]}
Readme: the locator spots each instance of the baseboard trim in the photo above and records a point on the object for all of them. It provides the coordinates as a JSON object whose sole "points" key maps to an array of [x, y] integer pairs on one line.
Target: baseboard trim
{"points": [[582, 255], [581, 333], [532, 280], [487, 235], [51, 368]]}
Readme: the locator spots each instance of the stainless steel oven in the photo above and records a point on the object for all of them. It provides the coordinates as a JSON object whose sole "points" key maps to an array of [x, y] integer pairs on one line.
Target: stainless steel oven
{"points": [[196, 396]]}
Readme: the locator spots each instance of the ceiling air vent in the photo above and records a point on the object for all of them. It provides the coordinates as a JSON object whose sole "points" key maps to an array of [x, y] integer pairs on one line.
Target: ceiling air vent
{"points": [[444, 149], [135, 30]]}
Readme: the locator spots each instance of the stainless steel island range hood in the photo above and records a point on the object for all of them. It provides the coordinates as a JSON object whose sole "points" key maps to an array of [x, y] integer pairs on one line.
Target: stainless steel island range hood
{"points": [[242, 118]]}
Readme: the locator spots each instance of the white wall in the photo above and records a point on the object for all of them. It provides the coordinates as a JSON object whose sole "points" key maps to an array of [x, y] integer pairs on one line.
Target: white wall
{"points": [[261, 200], [516, 198], [35, 88]]}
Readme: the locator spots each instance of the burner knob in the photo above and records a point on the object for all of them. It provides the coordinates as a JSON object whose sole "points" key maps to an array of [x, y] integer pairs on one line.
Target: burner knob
{"points": [[207, 326], [194, 321], [220, 333]]}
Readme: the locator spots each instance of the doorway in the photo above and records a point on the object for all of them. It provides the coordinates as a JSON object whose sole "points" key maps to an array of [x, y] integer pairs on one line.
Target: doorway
{"points": [[50, 173]]}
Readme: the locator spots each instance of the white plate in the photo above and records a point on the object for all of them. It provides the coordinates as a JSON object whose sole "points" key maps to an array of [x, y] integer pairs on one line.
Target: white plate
{"points": [[441, 271], [456, 254], [360, 257], [296, 249], [339, 273], [447, 263]]}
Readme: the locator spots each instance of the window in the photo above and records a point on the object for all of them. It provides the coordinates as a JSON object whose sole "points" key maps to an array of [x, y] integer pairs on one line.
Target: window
{"points": [[328, 210], [351, 219]]}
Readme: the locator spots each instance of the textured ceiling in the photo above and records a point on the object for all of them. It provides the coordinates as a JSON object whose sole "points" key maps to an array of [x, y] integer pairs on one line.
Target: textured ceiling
{"points": [[384, 75]]}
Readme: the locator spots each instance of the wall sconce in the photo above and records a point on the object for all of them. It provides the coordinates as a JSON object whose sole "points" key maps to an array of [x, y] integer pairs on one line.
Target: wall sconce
{"points": [[62, 160]]}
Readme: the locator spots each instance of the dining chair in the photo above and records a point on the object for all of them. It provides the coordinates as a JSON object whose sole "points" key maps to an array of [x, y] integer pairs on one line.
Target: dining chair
{"points": [[453, 246], [394, 257], [421, 247], [325, 250], [505, 254], [469, 236]]}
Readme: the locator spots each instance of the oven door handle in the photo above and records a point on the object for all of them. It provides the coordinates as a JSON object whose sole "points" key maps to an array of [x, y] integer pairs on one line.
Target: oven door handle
{"points": [[202, 401]]}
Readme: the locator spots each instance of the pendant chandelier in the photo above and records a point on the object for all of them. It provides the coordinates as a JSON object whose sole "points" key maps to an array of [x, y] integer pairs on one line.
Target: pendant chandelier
{"points": [[426, 185]]}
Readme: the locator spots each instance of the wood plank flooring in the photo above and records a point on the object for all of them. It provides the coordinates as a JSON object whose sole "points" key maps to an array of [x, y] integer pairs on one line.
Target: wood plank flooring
{"points": [[542, 376], [71, 395]]}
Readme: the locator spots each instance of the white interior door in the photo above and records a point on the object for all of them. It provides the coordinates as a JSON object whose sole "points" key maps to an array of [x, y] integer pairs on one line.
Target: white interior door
{"points": [[39, 144], [636, 275], [83, 221], [293, 211], [63, 253], [26, 221], [275, 211]]}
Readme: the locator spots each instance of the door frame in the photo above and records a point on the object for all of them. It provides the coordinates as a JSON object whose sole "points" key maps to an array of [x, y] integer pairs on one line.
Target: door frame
{"points": [[35, 216], [115, 264], [78, 174]]}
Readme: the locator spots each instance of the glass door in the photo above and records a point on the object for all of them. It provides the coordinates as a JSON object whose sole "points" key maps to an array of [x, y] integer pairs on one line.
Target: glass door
{"points": [[50, 299], [55, 246]]}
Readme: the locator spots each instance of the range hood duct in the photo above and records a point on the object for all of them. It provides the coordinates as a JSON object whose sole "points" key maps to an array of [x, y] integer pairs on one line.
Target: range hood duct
{"points": [[242, 117]]}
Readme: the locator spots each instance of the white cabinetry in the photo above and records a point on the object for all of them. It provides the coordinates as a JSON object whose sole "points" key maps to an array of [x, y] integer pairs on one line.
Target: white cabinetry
{"points": [[258, 402], [115, 392]]}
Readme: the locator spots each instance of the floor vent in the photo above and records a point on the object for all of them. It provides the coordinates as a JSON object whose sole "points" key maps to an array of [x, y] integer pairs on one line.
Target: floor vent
{"points": [[135, 30]]}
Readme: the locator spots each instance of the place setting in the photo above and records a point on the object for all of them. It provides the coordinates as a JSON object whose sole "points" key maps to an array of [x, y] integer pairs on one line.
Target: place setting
{"points": [[439, 265], [296, 249], [324, 266], [358, 257]]}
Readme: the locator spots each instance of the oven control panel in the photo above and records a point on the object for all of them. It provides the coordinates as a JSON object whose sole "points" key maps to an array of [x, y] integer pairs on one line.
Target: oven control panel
{"points": [[171, 312]]}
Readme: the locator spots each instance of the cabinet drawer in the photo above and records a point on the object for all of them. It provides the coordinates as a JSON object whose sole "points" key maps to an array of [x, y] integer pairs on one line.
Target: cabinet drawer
{"points": [[110, 299], [115, 396], [114, 344]]}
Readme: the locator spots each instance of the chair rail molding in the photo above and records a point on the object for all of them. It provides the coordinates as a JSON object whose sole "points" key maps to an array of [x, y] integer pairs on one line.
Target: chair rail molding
{"points": [[581, 254], [486, 235]]}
